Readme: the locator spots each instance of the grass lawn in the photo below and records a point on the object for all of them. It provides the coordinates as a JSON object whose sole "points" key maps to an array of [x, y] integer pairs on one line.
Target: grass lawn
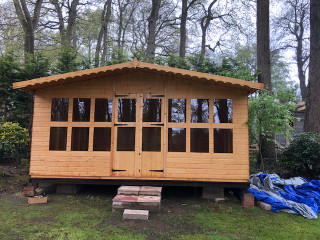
{"points": [[184, 215]]}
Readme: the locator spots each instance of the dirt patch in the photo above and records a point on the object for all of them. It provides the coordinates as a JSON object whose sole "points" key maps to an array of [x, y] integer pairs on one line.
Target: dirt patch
{"points": [[12, 180]]}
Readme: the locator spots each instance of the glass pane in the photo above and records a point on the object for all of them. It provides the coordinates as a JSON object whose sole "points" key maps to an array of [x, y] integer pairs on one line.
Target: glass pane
{"points": [[199, 140], [103, 110], [81, 109], [126, 110], [59, 109], [80, 139], [176, 140], [151, 139], [222, 110], [177, 110], [126, 139], [58, 138], [223, 140], [152, 110], [102, 139], [199, 110]]}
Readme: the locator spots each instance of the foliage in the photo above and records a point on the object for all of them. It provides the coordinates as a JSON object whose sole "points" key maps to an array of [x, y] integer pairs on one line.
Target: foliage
{"points": [[9, 73], [302, 157], [269, 115], [67, 61], [15, 140], [117, 56]]}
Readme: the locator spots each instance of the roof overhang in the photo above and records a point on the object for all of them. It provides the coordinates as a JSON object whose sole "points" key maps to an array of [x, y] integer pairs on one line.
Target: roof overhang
{"points": [[94, 73]]}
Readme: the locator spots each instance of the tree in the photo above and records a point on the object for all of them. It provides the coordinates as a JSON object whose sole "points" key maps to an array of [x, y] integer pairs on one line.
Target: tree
{"points": [[67, 34], [152, 24], [269, 115], [183, 27], [264, 70], [294, 25], [28, 23], [103, 34], [312, 114]]}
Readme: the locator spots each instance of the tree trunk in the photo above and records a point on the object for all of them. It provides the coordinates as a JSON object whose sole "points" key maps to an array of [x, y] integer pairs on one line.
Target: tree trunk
{"points": [[312, 114], [205, 22], [152, 24], [183, 29], [100, 36], [264, 68], [68, 34], [105, 32], [29, 23]]}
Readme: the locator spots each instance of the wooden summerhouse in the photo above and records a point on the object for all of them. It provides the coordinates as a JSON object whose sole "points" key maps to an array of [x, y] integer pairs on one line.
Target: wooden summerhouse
{"points": [[139, 121]]}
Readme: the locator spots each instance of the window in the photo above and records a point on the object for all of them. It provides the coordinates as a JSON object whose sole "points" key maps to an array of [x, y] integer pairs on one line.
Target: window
{"points": [[58, 138], [199, 110], [151, 110], [151, 139], [199, 140], [103, 110], [126, 110], [80, 139], [102, 139], [81, 109], [59, 109], [176, 140], [126, 139], [222, 110], [223, 140], [177, 110]]}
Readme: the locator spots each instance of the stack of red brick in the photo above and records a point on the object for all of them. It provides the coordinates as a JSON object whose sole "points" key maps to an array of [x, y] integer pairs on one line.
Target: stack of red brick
{"points": [[35, 195]]}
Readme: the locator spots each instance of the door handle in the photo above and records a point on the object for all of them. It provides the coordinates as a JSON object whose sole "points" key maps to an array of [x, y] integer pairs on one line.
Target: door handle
{"points": [[156, 170], [118, 170], [120, 124], [157, 124]]}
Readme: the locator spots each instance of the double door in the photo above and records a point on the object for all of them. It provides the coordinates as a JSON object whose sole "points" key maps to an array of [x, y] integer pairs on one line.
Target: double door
{"points": [[138, 143]]}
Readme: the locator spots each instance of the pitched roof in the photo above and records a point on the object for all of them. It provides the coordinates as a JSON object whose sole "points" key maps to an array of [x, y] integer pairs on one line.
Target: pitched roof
{"points": [[93, 73]]}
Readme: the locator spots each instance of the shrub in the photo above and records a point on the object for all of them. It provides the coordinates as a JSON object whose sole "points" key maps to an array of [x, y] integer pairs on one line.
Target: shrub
{"points": [[302, 157], [15, 141]]}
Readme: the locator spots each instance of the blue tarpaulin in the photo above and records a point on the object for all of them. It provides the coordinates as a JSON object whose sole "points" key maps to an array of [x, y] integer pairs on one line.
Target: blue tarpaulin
{"points": [[294, 195]]}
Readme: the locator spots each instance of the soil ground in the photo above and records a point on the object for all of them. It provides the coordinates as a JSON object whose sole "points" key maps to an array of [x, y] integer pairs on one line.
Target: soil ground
{"points": [[184, 215]]}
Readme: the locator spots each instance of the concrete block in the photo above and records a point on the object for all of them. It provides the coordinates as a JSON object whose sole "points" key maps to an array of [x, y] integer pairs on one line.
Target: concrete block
{"points": [[68, 189], [136, 214], [151, 203], [150, 191], [264, 206], [212, 193], [129, 190]]}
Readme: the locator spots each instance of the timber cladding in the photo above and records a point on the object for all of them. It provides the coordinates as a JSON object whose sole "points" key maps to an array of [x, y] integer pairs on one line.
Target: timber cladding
{"points": [[206, 165]]}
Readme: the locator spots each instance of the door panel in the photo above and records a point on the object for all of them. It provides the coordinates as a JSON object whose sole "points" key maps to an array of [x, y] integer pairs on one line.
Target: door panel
{"points": [[139, 136]]}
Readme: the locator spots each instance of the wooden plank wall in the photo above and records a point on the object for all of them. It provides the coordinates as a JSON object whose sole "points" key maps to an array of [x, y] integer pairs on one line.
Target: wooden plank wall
{"points": [[210, 166]]}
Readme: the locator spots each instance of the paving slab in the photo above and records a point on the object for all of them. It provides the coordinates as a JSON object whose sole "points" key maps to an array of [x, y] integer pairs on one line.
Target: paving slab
{"points": [[125, 198], [135, 214], [218, 200], [150, 191], [129, 190], [151, 203]]}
